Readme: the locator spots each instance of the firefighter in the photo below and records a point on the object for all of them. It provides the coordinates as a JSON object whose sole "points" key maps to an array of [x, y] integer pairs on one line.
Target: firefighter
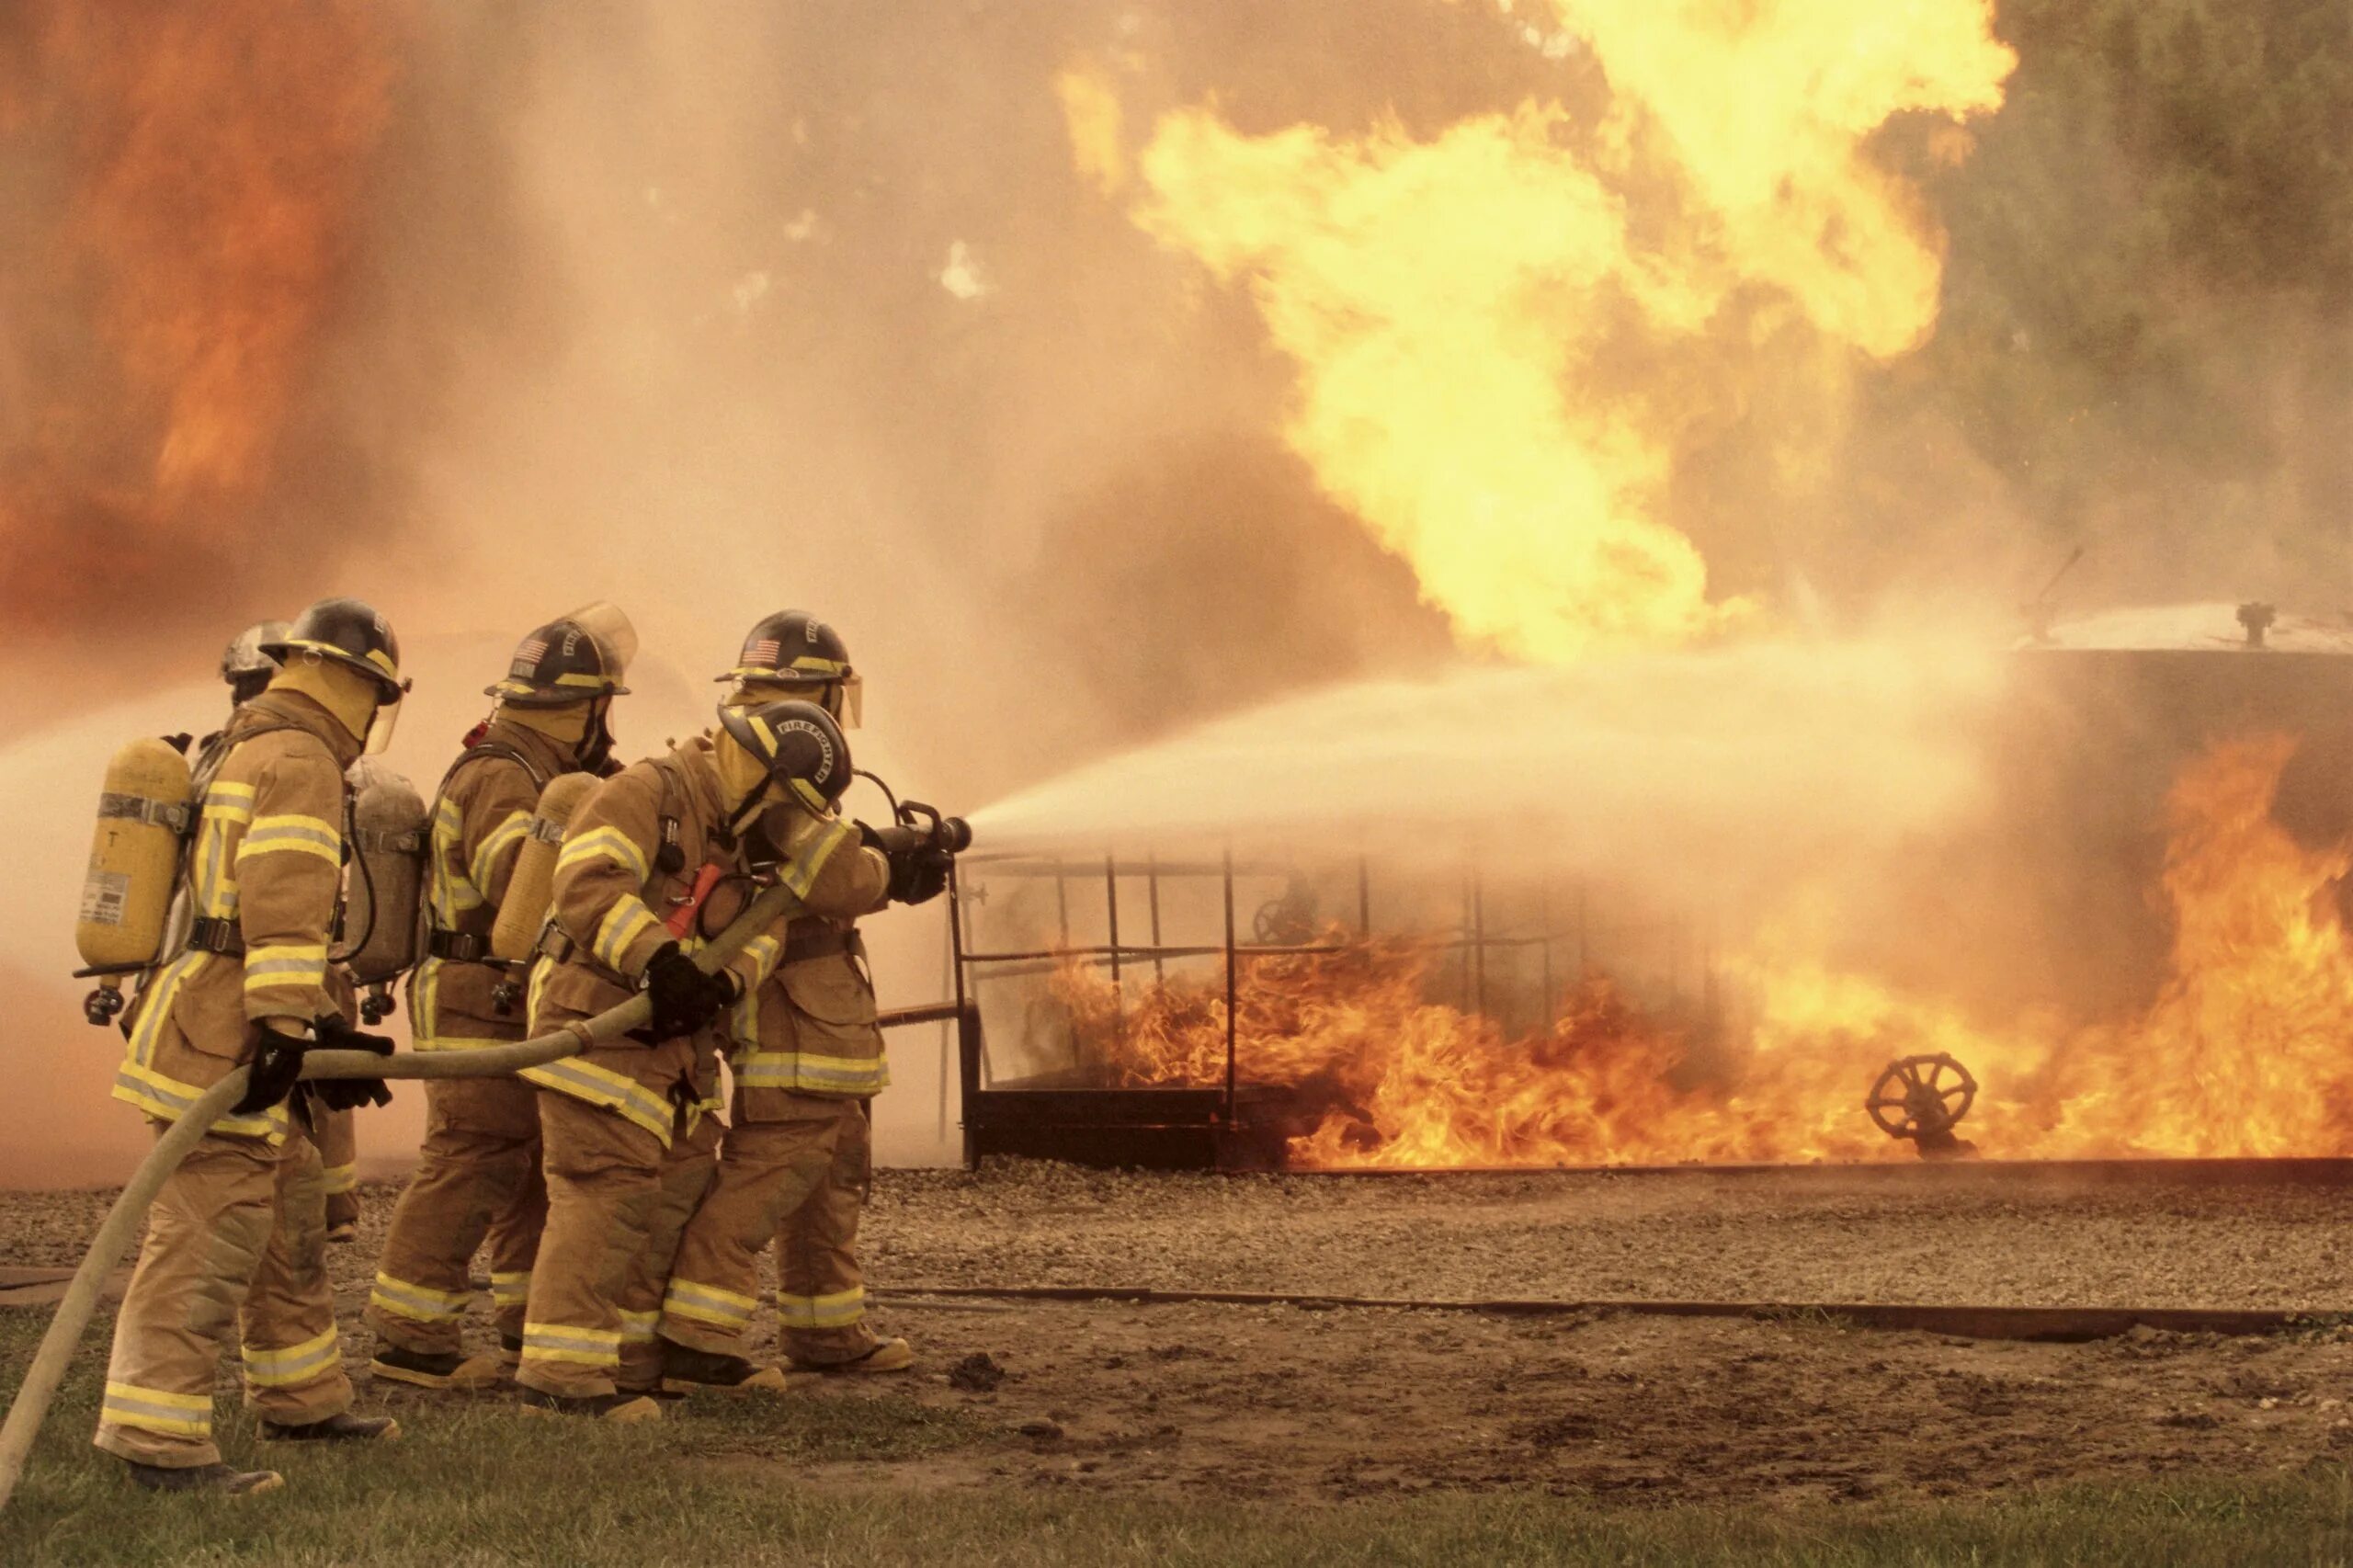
{"points": [[808, 1059], [655, 861], [247, 670], [236, 1237], [478, 1175], [244, 667]]}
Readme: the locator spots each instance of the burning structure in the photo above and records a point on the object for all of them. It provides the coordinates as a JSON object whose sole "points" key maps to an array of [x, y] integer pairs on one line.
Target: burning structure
{"points": [[2137, 951]]}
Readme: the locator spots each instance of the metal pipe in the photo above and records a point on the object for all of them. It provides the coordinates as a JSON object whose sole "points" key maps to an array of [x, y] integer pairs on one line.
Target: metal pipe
{"points": [[1152, 871], [1231, 988], [1479, 943], [1552, 1005], [123, 1220], [1111, 902]]}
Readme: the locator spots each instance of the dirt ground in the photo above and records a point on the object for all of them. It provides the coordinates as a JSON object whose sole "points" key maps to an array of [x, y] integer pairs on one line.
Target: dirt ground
{"points": [[1263, 1402]]}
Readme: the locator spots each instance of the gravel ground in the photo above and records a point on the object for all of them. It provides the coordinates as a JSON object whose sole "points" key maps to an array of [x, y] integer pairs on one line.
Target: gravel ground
{"points": [[1317, 1405], [1940, 1234], [1946, 1234]]}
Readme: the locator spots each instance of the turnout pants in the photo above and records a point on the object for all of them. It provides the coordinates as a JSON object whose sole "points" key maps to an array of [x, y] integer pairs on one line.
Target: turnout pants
{"points": [[687, 1174], [237, 1240], [766, 1170], [607, 1177], [477, 1178], [821, 1294], [338, 1142]]}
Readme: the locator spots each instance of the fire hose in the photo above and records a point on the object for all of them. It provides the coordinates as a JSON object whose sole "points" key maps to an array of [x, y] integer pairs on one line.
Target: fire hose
{"points": [[80, 1302]]}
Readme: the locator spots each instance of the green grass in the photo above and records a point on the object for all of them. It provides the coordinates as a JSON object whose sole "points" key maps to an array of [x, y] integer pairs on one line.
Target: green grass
{"points": [[728, 1484]]}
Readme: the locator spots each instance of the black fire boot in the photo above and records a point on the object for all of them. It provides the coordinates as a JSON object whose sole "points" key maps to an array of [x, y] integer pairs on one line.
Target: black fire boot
{"points": [[623, 1407], [344, 1428], [685, 1370], [205, 1478], [436, 1369]]}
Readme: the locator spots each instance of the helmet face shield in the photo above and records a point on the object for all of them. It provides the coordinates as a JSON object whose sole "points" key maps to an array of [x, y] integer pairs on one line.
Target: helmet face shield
{"points": [[380, 727], [846, 700], [603, 620]]}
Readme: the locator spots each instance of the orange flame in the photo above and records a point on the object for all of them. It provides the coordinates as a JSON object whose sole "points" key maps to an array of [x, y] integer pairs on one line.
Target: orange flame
{"points": [[212, 160], [1509, 334], [2241, 1054]]}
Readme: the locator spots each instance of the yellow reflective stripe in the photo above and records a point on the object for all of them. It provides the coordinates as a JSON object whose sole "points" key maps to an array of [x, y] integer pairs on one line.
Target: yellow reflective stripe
{"points": [[506, 835], [302, 835], [424, 1002], [452, 893], [157, 1410], [559, 1342], [452, 1042], [757, 960], [622, 925], [402, 1298], [839, 1310], [510, 1290], [295, 1364], [603, 1086], [709, 1303], [216, 888], [789, 1070], [167, 1099], [231, 802], [608, 843], [157, 1009], [534, 988], [801, 872], [340, 1178], [637, 1328], [286, 964]]}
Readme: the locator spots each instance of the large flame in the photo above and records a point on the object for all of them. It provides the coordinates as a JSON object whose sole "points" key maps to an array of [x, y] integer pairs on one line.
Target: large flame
{"points": [[209, 162], [2242, 1052], [1504, 331]]}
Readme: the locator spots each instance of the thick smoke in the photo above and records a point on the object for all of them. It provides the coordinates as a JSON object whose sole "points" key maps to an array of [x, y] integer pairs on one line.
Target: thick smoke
{"points": [[716, 308]]}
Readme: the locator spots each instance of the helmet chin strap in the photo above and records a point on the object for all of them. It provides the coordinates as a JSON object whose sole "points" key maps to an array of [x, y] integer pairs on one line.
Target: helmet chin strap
{"points": [[740, 818]]}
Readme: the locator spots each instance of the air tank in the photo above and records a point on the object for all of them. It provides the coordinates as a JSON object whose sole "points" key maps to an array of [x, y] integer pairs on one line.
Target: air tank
{"points": [[531, 886], [134, 867], [383, 888]]}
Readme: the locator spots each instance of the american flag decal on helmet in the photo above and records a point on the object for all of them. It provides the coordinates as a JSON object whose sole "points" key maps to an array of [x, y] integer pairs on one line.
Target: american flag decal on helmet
{"points": [[762, 651], [527, 656]]}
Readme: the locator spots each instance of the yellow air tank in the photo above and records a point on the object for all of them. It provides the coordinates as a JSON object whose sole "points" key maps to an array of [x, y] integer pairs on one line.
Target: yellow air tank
{"points": [[533, 883], [134, 867], [383, 886]]}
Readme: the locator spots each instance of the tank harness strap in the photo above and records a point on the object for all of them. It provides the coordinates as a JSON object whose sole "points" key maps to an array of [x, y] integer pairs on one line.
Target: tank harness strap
{"points": [[212, 935]]}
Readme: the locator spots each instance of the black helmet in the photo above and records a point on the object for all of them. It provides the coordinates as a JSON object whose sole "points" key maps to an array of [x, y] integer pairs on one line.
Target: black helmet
{"points": [[563, 661], [243, 664], [799, 746], [791, 648], [350, 633]]}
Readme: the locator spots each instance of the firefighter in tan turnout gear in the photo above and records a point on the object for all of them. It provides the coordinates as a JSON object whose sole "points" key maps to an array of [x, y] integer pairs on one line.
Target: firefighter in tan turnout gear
{"points": [[247, 671], [478, 1175], [654, 862], [808, 1058], [236, 1237]]}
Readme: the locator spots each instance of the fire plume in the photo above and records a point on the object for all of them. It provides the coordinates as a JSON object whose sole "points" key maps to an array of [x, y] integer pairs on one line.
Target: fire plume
{"points": [[2241, 1053], [208, 164], [1507, 333]]}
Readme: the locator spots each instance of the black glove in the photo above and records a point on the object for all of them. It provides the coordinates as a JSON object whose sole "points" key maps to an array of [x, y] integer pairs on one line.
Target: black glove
{"points": [[920, 875], [684, 997], [350, 1093], [276, 1063]]}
